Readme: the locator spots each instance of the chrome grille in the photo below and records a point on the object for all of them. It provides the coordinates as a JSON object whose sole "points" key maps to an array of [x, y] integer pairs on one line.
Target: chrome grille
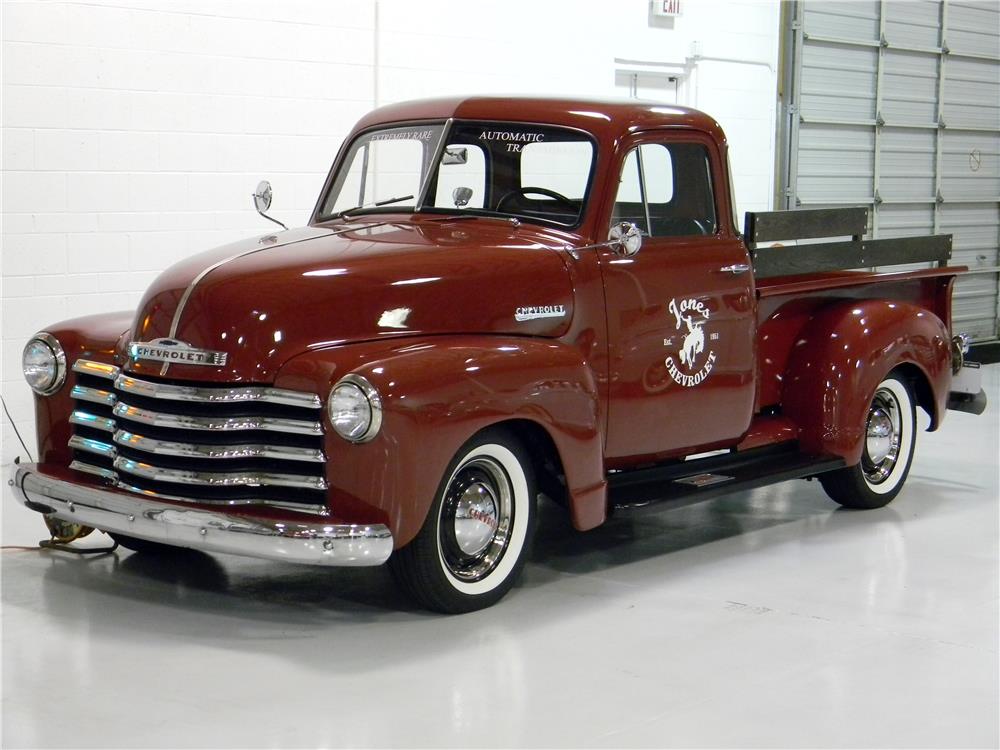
{"points": [[232, 445]]}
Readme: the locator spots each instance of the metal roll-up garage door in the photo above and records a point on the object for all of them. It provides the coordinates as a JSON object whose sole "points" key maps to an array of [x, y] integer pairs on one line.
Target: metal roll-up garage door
{"points": [[896, 104]]}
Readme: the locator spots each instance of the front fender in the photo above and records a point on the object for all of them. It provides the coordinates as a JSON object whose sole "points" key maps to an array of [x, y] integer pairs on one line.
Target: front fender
{"points": [[437, 392], [842, 355], [91, 337]]}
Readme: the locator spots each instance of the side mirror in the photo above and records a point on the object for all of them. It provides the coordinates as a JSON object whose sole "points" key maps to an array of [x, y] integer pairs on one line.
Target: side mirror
{"points": [[461, 196], [262, 201], [262, 196], [626, 238]]}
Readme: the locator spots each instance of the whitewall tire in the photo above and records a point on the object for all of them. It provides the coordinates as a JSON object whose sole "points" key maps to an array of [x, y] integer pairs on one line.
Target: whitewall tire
{"points": [[473, 543], [890, 437]]}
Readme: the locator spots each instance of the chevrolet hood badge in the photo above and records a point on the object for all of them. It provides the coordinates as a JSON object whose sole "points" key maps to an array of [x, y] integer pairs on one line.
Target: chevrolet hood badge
{"points": [[178, 352]]}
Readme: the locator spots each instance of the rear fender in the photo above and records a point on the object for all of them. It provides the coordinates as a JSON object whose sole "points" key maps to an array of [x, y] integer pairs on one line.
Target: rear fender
{"points": [[436, 393], [842, 355]]}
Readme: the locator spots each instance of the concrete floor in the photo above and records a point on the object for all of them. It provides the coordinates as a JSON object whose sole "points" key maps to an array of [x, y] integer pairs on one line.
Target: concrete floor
{"points": [[768, 618]]}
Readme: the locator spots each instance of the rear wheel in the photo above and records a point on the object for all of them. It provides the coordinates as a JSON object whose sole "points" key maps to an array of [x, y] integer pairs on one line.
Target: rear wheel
{"points": [[888, 451], [474, 541]]}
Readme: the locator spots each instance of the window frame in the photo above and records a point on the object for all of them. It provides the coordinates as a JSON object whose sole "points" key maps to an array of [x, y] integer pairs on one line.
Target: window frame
{"points": [[666, 138], [319, 216]]}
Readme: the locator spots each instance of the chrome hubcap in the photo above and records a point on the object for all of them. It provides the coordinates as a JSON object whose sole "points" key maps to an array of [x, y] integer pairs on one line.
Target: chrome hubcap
{"points": [[883, 434], [476, 517], [879, 435]]}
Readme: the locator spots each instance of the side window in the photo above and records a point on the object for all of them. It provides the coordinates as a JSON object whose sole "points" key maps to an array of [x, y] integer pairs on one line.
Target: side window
{"points": [[462, 166], [666, 190]]}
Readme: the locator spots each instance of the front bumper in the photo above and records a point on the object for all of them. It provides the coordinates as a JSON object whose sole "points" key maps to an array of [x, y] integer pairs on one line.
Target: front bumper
{"points": [[209, 531]]}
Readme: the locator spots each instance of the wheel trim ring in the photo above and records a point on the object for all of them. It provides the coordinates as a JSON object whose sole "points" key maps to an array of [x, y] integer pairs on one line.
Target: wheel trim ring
{"points": [[884, 403], [472, 568]]}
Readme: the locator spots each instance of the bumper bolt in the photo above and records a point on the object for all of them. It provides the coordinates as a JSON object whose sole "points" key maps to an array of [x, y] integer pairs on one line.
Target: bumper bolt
{"points": [[203, 531]]}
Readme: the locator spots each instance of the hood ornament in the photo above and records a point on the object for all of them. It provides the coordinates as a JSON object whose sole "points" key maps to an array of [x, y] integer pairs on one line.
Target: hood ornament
{"points": [[175, 352]]}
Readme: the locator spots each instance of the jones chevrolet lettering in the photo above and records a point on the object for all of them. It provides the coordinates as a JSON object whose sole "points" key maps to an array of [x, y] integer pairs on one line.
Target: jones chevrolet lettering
{"points": [[179, 352]]}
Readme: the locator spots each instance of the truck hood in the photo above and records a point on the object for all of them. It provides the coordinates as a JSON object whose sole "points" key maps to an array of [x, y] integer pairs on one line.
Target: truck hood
{"points": [[265, 300]]}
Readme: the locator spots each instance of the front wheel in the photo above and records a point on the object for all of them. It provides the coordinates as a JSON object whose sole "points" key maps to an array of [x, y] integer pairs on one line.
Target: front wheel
{"points": [[888, 451], [473, 543]]}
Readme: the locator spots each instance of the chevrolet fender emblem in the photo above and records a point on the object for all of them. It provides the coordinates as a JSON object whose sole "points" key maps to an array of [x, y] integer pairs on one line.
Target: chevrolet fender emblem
{"points": [[175, 352]]}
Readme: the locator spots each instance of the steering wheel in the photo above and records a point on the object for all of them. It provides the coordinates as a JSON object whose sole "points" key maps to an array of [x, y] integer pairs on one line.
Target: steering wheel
{"points": [[540, 191]]}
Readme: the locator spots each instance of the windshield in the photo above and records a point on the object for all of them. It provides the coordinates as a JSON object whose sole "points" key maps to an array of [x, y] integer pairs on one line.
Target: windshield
{"points": [[531, 172]]}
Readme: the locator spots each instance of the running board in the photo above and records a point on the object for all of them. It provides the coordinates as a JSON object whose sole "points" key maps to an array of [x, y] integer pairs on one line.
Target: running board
{"points": [[685, 482]]}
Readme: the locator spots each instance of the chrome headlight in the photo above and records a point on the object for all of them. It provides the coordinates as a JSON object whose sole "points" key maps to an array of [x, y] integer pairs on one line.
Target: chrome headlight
{"points": [[355, 409], [44, 364]]}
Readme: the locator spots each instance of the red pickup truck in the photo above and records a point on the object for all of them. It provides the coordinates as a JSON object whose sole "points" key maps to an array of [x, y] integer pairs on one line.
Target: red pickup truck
{"points": [[494, 299]]}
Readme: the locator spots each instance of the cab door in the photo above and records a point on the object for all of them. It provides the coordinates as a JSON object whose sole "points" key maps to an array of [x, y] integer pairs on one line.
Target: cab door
{"points": [[680, 311]]}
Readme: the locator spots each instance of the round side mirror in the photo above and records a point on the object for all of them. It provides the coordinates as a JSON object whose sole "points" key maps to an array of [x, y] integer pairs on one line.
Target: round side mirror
{"points": [[262, 196], [627, 237]]}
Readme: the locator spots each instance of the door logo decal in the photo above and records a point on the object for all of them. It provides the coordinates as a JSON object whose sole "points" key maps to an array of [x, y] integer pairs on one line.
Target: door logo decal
{"points": [[692, 364]]}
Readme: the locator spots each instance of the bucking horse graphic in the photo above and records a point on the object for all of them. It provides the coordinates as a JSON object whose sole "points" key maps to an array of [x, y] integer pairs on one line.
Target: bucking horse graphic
{"points": [[694, 341]]}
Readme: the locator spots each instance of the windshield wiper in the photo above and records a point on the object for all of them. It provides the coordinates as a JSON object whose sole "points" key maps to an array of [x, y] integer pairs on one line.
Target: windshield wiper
{"points": [[386, 202]]}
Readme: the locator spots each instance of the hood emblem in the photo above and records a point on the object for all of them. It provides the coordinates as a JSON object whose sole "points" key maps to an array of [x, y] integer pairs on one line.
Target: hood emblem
{"points": [[176, 352], [523, 314]]}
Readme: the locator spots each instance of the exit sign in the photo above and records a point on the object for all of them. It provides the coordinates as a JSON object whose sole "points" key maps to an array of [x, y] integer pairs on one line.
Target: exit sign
{"points": [[667, 7]]}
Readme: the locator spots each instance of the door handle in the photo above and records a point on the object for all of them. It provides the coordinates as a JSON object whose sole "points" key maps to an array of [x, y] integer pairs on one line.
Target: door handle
{"points": [[736, 268]]}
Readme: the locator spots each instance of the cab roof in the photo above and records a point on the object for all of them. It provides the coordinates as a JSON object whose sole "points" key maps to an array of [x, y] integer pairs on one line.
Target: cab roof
{"points": [[606, 118]]}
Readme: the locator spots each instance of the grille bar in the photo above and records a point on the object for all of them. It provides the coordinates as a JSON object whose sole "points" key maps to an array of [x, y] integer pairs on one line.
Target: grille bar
{"points": [[127, 384], [86, 419], [113, 479], [93, 395], [98, 471], [226, 479], [228, 445], [185, 422], [97, 369], [89, 445], [196, 450]]}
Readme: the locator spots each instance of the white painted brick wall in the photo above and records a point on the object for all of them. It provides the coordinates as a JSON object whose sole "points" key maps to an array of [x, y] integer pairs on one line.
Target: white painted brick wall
{"points": [[134, 131]]}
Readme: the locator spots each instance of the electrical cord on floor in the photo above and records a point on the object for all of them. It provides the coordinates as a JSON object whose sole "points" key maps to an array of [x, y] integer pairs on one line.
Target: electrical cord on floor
{"points": [[14, 426], [62, 533]]}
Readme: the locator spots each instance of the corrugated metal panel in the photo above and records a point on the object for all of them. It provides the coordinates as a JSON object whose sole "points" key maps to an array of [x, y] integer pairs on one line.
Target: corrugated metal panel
{"points": [[837, 83], [910, 81], [849, 19], [970, 169], [896, 104], [914, 24], [972, 28], [971, 94], [907, 166], [835, 164]]}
